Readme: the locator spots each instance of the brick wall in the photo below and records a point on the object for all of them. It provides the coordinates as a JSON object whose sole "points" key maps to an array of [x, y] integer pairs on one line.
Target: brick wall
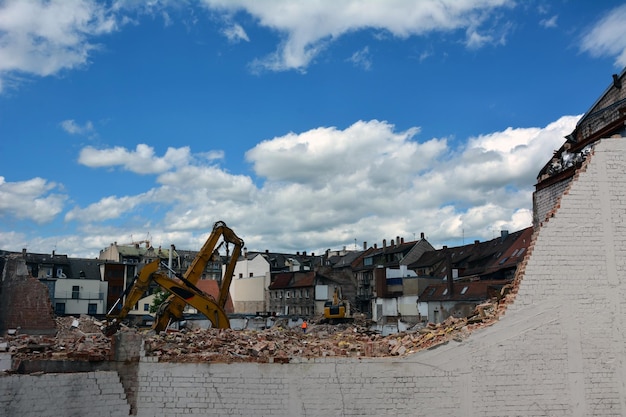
{"points": [[94, 394], [24, 301], [559, 349], [545, 199]]}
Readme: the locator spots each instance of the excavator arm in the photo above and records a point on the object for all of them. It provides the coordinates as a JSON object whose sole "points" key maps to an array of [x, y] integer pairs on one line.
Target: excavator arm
{"points": [[183, 288], [174, 306]]}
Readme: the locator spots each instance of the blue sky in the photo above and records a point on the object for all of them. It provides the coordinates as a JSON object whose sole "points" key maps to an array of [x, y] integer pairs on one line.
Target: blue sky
{"points": [[305, 126]]}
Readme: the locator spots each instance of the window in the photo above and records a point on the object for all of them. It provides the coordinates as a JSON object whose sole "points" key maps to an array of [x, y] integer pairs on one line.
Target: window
{"points": [[464, 290], [146, 307], [288, 294], [368, 261], [306, 293], [75, 292], [59, 309], [92, 309], [251, 274]]}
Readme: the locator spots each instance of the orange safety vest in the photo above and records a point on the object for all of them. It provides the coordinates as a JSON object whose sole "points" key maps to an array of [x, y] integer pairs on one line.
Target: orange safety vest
{"points": [[304, 325]]}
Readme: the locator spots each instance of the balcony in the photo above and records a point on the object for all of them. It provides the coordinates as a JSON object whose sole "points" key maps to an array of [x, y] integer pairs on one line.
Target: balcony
{"points": [[79, 295]]}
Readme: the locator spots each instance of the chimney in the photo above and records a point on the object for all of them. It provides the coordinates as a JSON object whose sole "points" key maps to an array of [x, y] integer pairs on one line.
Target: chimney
{"points": [[303, 253], [616, 82], [449, 270], [476, 242], [398, 240], [375, 245], [422, 235], [402, 240], [24, 251], [392, 244], [503, 234], [384, 243], [364, 245]]}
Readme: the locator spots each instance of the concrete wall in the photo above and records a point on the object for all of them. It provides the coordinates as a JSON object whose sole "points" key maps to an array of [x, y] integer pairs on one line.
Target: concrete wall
{"points": [[560, 349]]}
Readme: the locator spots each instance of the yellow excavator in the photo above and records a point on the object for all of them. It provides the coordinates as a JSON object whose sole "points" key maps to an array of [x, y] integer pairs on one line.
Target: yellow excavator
{"points": [[338, 310], [182, 287]]}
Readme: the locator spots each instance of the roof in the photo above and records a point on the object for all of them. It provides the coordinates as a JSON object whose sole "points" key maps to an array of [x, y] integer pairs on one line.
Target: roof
{"points": [[478, 258], [605, 118], [84, 268], [463, 291], [287, 280]]}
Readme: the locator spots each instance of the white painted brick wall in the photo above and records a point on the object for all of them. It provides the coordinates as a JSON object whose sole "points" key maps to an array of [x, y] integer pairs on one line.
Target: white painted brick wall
{"points": [[94, 394]]}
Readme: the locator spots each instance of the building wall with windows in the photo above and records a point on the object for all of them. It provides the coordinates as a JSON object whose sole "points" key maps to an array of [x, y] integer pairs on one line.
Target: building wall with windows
{"points": [[80, 296]]}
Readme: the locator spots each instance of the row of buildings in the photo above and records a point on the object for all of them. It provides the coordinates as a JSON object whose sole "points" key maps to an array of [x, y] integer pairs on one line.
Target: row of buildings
{"points": [[394, 284]]}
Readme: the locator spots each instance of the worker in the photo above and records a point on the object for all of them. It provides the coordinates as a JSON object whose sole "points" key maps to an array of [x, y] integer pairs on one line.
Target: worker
{"points": [[304, 326]]}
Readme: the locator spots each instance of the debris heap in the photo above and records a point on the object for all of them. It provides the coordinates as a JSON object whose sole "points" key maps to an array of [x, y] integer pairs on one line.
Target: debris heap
{"points": [[83, 339], [76, 339]]}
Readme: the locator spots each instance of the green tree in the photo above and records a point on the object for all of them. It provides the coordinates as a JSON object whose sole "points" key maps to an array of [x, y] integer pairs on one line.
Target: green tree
{"points": [[160, 295]]}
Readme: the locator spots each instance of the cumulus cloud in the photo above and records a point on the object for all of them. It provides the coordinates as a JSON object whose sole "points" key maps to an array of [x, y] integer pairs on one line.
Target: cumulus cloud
{"points": [[328, 186], [308, 27], [34, 199], [41, 38], [607, 37], [110, 207], [141, 161]]}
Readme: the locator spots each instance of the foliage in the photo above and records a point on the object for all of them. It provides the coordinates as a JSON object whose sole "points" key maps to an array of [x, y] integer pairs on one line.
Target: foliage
{"points": [[160, 295]]}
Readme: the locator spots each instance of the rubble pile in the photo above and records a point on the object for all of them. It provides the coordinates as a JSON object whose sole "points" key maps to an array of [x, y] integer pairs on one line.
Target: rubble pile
{"points": [[83, 339], [279, 344], [76, 339]]}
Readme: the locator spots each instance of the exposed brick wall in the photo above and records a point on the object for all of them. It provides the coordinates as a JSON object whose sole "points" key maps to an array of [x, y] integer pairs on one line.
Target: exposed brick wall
{"points": [[24, 301], [545, 199]]}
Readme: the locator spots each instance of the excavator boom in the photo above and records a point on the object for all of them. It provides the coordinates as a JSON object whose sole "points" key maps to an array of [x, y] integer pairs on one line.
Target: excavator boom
{"points": [[183, 288]]}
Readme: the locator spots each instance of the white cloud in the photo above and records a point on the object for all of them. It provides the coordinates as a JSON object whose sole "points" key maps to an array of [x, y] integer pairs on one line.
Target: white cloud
{"points": [[40, 37], [326, 187], [107, 208], [235, 33], [33, 199], [549, 23], [607, 37], [308, 27], [141, 161], [362, 59], [73, 128]]}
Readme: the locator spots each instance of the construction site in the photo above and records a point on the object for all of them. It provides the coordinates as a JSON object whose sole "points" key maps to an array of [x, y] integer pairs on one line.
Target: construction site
{"points": [[551, 344]]}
